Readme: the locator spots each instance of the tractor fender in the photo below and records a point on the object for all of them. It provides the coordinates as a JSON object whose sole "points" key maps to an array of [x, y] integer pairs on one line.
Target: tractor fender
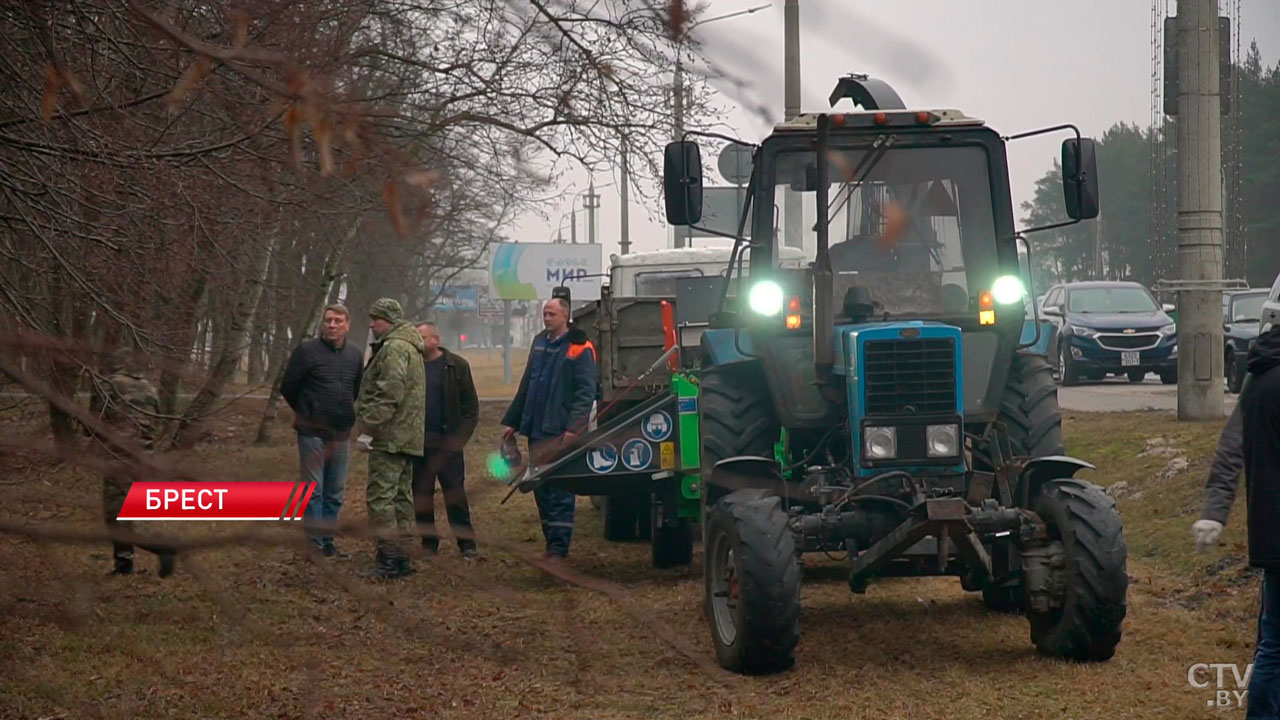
{"points": [[743, 472], [1038, 471]]}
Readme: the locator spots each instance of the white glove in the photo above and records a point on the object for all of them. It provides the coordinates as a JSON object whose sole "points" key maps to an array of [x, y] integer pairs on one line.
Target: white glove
{"points": [[364, 442], [1207, 533]]}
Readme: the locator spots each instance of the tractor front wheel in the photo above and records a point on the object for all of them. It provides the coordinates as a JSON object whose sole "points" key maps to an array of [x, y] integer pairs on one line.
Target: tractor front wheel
{"points": [[752, 579], [1079, 613]]}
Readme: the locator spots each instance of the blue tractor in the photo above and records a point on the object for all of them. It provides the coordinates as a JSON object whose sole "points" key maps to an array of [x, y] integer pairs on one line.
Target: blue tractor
{"points": [[885, 402]]}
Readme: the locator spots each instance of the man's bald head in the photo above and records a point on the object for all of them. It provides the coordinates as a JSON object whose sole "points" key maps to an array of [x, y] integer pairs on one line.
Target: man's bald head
{"points": [[555, 315]]}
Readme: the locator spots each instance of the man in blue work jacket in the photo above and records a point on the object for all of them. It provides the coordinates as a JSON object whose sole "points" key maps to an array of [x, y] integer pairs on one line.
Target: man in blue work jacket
{"points": [[551, 408]]}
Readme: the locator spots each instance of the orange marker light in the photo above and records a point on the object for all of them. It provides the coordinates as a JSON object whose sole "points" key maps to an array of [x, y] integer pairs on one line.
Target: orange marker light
{"points": [[922, 117], [838, 120], [985, 300], [986, 317], [882, 119], [793, 322]]}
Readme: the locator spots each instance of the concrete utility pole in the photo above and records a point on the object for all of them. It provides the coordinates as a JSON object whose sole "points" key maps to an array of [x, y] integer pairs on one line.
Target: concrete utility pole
{"points": [[573, 226], [1199, 211], [792, 207], [624, 239], [591, 203]]}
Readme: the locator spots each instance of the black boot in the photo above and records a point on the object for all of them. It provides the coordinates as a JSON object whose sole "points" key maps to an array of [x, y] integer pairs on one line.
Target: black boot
{"points": [[385, 567], [404, 565], [123, 566]]}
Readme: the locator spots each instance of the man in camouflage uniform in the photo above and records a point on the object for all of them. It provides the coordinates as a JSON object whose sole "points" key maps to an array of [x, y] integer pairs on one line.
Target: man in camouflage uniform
{"points": [[127, 404], [391, 409]]}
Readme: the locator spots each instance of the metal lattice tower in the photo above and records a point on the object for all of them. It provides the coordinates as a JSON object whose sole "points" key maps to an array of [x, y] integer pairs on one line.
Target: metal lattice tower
{"points": [[1159, 230], [1236, 251]]}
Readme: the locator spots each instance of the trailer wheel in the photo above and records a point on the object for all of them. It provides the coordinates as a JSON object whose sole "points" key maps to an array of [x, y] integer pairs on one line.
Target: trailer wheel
{"points": [[1084, 620], [620, 518], [1029, 408], [672, 546], [752, 594]]}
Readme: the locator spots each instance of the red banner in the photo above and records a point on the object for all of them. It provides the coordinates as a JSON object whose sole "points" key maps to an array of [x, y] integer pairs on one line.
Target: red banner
{"points": [[216, 500]]}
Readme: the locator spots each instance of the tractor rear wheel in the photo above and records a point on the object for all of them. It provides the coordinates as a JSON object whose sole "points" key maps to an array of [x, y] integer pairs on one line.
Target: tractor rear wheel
{"points": [[752, 592], [736, 419], [1083, 620], [1029, 408]]}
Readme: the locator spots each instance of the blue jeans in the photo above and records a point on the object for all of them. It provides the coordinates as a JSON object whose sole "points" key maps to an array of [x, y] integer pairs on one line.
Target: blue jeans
{"points": [[324, 463], [1264, 683]]}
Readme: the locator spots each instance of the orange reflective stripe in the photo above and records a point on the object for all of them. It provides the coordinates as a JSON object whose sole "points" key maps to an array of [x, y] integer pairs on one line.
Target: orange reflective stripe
{"points": [[576, 350]]}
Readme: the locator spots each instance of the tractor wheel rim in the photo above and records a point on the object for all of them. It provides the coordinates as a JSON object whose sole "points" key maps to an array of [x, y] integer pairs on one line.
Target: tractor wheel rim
{"points": [[724, 596]]}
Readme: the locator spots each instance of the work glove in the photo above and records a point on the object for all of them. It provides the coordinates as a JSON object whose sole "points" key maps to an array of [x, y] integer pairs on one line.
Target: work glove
{"points": [[1207, 533], [364, 442]]}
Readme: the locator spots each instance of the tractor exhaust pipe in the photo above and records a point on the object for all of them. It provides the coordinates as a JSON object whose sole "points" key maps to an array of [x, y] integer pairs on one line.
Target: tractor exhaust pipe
{"points": [[823, 320]]}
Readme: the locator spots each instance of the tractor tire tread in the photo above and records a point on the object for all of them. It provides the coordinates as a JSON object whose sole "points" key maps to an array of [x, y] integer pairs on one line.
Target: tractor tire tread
{"points": [[1029, 408]]}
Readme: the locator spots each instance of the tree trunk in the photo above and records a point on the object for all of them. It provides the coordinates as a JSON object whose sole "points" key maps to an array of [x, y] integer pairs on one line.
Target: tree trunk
{"points": [[312, 308], [227, 355]]}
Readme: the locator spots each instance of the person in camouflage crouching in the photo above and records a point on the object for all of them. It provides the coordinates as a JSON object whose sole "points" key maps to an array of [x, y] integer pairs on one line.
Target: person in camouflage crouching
{"points": [[128, 405], [391, 409]]}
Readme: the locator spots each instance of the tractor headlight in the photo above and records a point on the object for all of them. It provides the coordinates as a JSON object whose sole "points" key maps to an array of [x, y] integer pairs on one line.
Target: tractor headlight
{"points": [[765, 298], [880, 443], [1008, 290], [942, 440]]}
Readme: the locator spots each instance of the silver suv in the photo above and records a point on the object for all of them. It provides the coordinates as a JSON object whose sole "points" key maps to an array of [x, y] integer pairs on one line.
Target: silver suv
{"points": [[1271, 308]]}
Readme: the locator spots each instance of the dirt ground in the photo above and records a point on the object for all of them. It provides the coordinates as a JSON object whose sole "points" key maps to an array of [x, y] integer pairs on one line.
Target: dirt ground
{"points": [[251, 628]]}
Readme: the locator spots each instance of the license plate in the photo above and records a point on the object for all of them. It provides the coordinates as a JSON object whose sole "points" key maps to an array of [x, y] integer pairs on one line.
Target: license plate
{"points": [[1128, 359]]}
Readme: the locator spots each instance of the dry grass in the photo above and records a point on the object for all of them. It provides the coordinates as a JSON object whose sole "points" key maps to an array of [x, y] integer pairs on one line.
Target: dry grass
{"points": [[258, 631]]}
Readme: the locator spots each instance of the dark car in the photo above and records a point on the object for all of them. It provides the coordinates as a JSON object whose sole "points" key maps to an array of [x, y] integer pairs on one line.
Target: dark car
{"points": [[1110, 328], [1241, 314]]}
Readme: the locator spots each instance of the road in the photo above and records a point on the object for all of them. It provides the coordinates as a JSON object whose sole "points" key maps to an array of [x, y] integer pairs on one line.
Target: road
{"points": [[1118, 395]]}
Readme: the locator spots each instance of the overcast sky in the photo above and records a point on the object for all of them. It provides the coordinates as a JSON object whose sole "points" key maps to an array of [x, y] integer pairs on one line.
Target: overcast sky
{"points": [[1017, 64]]}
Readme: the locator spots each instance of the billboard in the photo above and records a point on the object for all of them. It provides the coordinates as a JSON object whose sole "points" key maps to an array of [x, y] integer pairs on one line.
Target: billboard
{"points": [[463, 298], [529, 271]]}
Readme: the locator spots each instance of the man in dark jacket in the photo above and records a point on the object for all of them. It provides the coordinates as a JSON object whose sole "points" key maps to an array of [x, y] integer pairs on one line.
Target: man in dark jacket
{"points": [[551, 408], [1224, 477], [321, 383], [453, 410], [1260, 420]]}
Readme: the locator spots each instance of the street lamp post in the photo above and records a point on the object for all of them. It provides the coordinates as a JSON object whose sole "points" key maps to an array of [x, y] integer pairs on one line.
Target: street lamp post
{"points": [[681, 234]]}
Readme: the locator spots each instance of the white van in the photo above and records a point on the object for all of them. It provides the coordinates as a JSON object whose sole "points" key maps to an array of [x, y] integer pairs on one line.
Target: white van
{"points": [[653, 274]]}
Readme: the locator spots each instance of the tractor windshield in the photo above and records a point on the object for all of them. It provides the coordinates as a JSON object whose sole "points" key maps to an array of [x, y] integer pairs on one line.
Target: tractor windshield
{"points": [[912, 226]]}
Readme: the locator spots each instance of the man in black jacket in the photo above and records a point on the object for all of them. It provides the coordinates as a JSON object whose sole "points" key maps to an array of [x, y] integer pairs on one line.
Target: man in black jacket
{"points": [[321, 383], [453, 410], [1260, 420]]}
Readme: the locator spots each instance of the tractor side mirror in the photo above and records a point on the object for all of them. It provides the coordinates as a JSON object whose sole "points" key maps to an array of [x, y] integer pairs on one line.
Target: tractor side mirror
{"points": [[1080, 178], [1052, 311], [682, 182]]}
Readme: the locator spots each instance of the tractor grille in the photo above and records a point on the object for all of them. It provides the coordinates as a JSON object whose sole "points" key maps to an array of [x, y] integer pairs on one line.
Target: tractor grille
{"points": [[910, 376]]}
